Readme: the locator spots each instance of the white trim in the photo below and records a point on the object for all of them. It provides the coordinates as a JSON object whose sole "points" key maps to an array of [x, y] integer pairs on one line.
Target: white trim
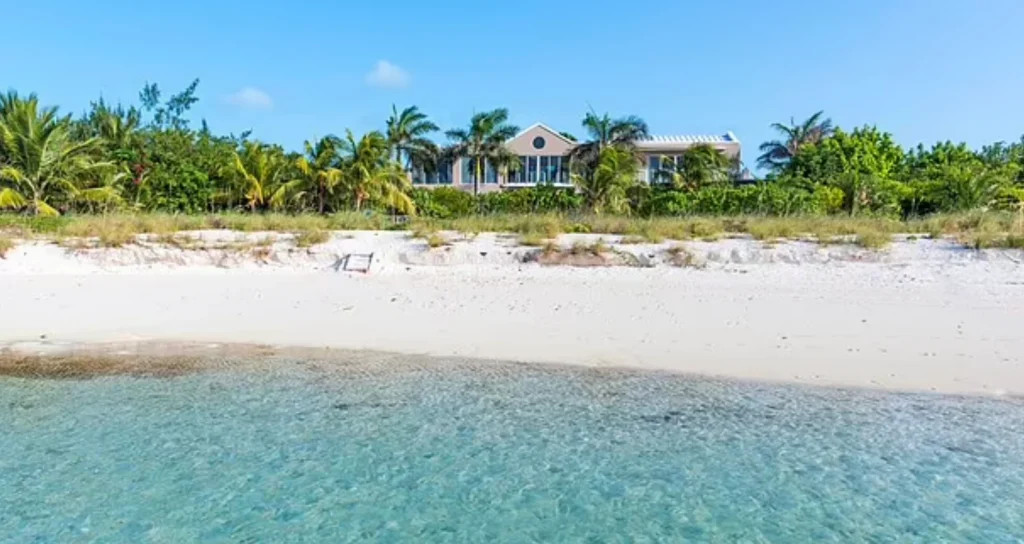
{"points": [[545, 127]]}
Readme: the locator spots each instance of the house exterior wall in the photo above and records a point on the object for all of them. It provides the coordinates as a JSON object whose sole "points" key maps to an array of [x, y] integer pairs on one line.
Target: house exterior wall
{"points": [[556, 145]]}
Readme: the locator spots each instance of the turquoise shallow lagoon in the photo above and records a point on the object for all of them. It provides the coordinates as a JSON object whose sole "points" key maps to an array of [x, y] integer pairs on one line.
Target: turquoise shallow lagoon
{"points": [[413, 450]]}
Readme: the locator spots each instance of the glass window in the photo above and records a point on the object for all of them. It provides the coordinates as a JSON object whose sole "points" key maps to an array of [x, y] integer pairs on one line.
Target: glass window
{"points": [[531, 169], [490, 173], [554, 165], [653, 166], [443, 176], [518, 175], [545, 169], [538, 143], [468, 170]]}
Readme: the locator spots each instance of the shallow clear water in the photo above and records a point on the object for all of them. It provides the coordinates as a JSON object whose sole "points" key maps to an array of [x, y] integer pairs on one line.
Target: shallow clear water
{"points": [[499, 453]]}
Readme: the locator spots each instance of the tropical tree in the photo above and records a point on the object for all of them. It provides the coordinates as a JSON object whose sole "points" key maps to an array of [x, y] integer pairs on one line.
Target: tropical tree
{"points": [[42, 162], [260, 171], [407, 139], [318, 172], [603, 132], [776, 154], [370, 176], [483, 142], [700, 166], [607, 186]]}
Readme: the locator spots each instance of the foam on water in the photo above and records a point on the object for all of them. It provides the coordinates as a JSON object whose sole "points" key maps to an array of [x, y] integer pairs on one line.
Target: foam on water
{"points": [[499, 453]]}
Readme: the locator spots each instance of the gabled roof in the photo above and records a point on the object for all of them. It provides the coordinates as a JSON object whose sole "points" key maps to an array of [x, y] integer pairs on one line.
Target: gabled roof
{"points": [[545, 127]]}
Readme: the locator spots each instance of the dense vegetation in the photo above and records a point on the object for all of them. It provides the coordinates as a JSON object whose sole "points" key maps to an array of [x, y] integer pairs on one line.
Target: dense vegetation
{"points": [[150, 158]]}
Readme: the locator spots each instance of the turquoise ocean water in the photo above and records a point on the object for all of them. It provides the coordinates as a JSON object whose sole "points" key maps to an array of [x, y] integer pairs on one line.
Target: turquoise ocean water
{"points": [[459, 452]]}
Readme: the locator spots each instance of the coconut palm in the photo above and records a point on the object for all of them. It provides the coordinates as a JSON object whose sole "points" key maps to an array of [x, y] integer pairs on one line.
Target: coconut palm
{"points": [[318, 171], [698, 167], [606, 186], [259, 170], [41, 161], [483, 142], [775, 154], [371, 177], [407, 139], [604, 132]]}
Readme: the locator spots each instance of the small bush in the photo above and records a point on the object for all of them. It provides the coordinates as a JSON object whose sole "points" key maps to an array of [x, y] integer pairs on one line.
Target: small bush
{"points": [[706, 228], [435, 239], [873, 239]]}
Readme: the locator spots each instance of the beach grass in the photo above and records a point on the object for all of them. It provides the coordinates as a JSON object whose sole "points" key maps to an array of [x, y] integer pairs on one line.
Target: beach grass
{"points": [[973, 229], [534, 239], [436, 239], [6, 244], [312, 237]]}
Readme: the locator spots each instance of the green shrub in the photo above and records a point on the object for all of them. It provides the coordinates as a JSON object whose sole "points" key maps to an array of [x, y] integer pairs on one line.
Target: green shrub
{"points": [[444, 202]]}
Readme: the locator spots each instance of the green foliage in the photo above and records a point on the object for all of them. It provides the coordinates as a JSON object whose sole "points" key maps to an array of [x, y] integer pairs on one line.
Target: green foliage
{"points": [[444, 202], [483, 143], [45, 167], [866, 151], [541, 199], [147, 158], [777, 154], [760, 199], [605, 188], [699, 167]]}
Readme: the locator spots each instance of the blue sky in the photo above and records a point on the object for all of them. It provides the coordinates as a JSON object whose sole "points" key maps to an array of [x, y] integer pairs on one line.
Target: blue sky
{"points": [[923, 70]]}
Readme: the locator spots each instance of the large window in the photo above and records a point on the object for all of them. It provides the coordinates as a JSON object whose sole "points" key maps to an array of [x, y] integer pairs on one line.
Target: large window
{"points": [[518, 175], [469, 171], [550, 167], [443, 175], [653, 168], [531, 169]]}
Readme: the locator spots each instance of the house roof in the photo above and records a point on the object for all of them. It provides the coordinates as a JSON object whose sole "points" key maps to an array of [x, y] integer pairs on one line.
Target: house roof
{"points": [[545, 127], [727, 138]]}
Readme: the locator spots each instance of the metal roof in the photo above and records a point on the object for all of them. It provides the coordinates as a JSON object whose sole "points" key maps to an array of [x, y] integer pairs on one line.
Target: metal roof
{"points": [[727, 138]]}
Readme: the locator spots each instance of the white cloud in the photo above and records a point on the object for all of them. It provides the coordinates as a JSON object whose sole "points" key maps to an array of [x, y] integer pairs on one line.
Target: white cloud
{"points": [[250, 97], [385, 74]]}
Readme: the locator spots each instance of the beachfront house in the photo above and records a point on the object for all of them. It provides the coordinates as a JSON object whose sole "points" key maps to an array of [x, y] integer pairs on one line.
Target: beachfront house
{"points": [[544, 159]]}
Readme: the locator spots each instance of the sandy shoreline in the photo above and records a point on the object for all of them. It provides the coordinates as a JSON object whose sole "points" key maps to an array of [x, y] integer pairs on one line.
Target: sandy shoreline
{"points": [[918, 316]]}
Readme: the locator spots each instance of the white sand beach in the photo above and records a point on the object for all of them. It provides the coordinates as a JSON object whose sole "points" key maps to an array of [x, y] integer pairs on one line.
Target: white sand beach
{"points": [[920, 315]]}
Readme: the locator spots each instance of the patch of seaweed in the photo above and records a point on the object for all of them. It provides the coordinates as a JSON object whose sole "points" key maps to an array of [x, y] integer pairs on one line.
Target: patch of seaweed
{"points": [[88, 367]]}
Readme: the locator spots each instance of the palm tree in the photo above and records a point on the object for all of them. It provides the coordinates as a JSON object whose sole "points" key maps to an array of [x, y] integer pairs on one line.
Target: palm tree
{"points": [[260, 169], [42, 161], [318, 171], [371, 176], [605, 132], [776, 154], [407, 141], [698, 167], [483, 142], [607, 185]]}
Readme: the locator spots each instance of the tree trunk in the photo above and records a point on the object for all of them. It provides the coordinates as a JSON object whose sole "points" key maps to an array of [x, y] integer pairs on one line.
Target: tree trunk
{"points": [[476, 178], [320, 196]]}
